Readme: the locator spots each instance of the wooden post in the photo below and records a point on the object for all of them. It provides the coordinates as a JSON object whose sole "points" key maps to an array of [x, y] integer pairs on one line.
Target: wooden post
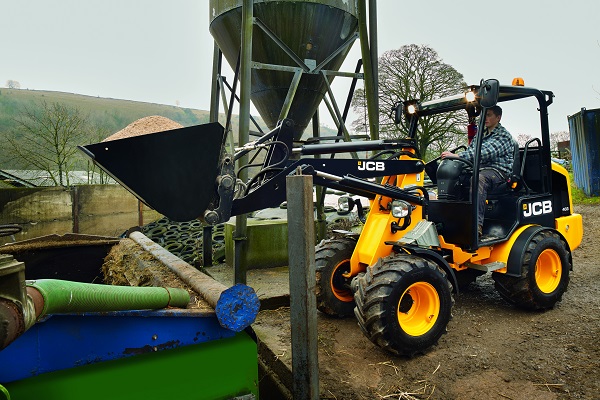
{"points": [[303, 300]]}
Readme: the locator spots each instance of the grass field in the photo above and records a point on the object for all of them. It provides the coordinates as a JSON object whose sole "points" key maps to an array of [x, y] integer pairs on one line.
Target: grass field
{"points": [[113, 113], [579, 196]]}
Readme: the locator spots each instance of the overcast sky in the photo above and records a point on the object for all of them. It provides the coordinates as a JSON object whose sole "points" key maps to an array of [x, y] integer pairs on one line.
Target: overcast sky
{"points": [[161, 51]]}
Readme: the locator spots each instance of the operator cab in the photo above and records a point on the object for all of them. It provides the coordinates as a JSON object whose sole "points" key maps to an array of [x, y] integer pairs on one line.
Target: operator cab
{"points": [[454, 211]]}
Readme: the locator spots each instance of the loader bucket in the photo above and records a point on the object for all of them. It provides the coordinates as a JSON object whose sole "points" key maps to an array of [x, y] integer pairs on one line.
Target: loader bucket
{"points": [[174, 172]]}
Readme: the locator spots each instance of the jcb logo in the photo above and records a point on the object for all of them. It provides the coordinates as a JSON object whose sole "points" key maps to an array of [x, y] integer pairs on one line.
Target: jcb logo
{"points": [[537, 208], [371, 166]]}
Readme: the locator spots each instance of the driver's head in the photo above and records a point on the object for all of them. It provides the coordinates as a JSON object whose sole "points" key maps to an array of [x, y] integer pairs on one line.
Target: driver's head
{"points": [[492, 117]]}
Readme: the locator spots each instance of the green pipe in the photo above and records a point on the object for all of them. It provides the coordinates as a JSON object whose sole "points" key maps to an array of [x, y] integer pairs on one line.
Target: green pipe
{"points": [[65, 296], [4, 395]]}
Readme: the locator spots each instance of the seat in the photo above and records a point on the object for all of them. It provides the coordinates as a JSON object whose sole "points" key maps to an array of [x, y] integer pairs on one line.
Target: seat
{"points": [[514, 181]]}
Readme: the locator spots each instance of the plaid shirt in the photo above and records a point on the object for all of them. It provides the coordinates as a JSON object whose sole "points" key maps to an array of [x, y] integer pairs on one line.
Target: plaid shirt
{"points": [[497, 150]]}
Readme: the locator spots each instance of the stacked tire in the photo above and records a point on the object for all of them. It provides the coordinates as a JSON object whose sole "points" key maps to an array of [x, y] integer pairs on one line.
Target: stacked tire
{"points": [[185, 239]]}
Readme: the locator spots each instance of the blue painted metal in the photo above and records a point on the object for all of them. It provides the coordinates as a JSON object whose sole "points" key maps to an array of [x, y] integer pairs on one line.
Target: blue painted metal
{"points": [[64, 341], [237, 307], [584, 128]]}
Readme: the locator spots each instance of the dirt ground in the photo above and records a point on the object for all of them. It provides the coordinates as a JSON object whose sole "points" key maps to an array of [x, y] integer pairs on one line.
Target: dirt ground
{"points": [[492, 350]]}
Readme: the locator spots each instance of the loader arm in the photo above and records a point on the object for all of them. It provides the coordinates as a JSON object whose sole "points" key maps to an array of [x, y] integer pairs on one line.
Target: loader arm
{"points": [[271, 193], [187, 173]]}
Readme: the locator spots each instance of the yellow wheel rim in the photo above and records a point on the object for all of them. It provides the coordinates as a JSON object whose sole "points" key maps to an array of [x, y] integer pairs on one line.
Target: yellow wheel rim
{"points": [[548, 271], [337, 281], [418, 308]]}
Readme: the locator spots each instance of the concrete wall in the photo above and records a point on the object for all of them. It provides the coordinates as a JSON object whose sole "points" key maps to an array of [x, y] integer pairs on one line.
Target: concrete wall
{"points": [[267, 244], [106, 210]]}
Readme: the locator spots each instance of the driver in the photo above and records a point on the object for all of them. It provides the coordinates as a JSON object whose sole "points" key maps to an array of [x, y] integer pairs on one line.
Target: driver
{"points": [[496, 160]]}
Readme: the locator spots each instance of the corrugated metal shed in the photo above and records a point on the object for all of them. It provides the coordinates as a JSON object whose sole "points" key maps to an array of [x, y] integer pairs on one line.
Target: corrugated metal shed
{"points": [[584, 128], [35, 178]]}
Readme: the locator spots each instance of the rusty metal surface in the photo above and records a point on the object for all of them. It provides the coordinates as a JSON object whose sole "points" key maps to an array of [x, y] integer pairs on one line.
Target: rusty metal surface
{"points": [[236, 307], [12, 323]]}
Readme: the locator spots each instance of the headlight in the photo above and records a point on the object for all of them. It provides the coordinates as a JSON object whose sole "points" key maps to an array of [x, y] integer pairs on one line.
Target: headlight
{"points": [[470, 96], [400, 209], [345, 205]]}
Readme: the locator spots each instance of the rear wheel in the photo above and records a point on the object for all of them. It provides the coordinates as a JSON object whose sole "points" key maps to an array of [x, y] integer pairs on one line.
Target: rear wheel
{"points": [[544, 274], [332, 261], [403, 304]]}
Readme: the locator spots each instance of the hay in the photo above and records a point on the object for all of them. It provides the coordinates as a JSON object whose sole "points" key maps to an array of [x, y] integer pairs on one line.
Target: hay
{"points": [[128, 264]]}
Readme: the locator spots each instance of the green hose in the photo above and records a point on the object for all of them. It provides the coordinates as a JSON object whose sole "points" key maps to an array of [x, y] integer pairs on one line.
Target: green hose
{"points": [[4, 395], [65, 296]]}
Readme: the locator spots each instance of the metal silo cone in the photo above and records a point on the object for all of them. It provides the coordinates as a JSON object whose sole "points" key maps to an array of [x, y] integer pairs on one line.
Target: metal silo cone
{"points": [[313, 32]]}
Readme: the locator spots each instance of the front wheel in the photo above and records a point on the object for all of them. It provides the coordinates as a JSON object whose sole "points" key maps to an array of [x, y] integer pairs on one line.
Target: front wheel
{"points": [[403, 304], [544, 274], [332, 262]]}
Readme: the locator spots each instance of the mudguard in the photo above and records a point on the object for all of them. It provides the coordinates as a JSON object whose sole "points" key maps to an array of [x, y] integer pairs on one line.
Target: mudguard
{"points": [[519, 248]]}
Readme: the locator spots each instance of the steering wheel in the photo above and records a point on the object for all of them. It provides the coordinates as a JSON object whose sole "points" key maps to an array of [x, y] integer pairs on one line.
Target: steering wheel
{"points": [[457, 158]]}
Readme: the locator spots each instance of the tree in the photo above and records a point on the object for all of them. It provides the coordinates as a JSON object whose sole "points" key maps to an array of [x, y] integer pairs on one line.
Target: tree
{"points": [[416, 72], [46, 138], [523, 138], [555, 138], [13, 84]]}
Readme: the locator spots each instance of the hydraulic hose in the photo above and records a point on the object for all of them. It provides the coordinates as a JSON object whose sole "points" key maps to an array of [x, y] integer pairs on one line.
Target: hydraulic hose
{"points": [[66, 296]]}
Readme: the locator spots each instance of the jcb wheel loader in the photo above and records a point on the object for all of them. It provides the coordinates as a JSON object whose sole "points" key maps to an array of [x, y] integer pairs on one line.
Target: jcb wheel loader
{"points": [[414, 252]]}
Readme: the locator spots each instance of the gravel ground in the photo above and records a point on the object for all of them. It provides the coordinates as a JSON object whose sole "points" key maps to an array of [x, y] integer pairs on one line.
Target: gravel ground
{"points": [[492, 350]]}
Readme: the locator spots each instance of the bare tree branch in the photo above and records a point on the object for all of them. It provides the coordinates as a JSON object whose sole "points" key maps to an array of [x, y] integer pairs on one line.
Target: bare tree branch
{"points": [[12, 84], [46, 138]]}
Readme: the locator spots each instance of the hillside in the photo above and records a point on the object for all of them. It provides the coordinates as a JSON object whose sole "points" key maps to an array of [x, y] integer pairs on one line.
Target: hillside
{"points": [[111, 115], [108, 115]]}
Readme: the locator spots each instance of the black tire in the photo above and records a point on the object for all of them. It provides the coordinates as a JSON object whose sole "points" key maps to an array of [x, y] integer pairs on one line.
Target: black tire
{"points": [[544, 274], [332, 260], [7, 230], [395, 319]]}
